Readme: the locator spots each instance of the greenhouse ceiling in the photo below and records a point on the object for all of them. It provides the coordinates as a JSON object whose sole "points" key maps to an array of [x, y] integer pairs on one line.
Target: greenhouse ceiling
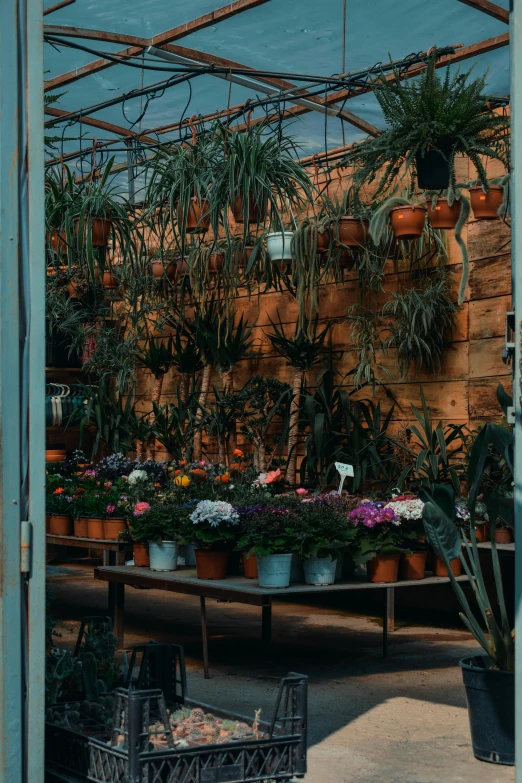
{"points": [[282, 40]]}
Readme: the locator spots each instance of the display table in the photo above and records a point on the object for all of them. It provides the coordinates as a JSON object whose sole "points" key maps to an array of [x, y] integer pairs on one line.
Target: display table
{"points": [[245, 591], [115, 553]]}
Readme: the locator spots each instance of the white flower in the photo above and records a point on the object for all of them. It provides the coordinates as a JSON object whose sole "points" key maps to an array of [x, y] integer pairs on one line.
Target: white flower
{"points": [[407, 509], [214, 512], [137, 475]]}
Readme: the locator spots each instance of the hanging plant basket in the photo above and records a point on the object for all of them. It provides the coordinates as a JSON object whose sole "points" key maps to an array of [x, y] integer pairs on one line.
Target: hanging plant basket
{"points": [[353, 231], [279, 246], [100, 230], [215, 263], [323, 241], [485, 206], [432, 170], [109, 281], [408, 222], [181, 267], [255, 214], [160, 268], [198, 218], [57, 240], [241, 257], [443, 216]]}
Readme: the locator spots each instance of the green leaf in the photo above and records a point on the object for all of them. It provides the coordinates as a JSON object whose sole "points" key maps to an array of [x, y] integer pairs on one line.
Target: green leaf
{"points": [[441, 531]]}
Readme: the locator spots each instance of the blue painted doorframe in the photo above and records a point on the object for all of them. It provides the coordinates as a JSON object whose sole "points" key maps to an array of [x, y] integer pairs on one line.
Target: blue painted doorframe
{"points": [[22, 378]]}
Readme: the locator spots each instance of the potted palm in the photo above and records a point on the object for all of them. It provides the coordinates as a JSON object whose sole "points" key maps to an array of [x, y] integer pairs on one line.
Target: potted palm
{"points": [[215, 525], [162, 528], [430, 120], [488, 679]]}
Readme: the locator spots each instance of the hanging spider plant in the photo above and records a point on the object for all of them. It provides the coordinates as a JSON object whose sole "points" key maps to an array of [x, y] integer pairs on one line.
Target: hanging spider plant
{"points": [[260, 175], [310, 247], [182, 190], [365, 338], [430, 120], [157, 357], [61, 192], [301, 352]]}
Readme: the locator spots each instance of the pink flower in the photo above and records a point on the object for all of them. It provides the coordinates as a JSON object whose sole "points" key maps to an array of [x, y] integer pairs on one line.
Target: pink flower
{"points": [[202, 463], [110, 509], [272, 476], [140, 508], [108, 484], [301, 491], [90, 473]]}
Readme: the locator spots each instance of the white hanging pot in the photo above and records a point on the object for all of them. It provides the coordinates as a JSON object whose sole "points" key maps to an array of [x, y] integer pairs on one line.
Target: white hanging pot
{"points": [[163, 555], [279, 246]]}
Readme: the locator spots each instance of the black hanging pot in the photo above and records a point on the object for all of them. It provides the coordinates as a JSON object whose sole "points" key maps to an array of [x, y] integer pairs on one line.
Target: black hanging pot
{"points": [[491, 707], [432, 170]]}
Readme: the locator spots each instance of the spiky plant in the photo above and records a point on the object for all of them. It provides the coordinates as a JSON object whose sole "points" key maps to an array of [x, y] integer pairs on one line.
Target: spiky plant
{"points": [[157, 357], [261, 402], [301, 352], [450, 115], [365, 337], [308, 267], [186, 358], [423, 320]]}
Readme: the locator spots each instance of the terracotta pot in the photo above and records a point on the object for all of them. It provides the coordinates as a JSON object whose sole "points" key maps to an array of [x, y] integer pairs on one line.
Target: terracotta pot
{"points": [[55, 455], [141, 555], [413, 566], [353, 231], [215, 262], [439, 569], [503, 536], [211, 565], [95, 528], [249, 566], [323, 242], [72, 289], [60, 525], [57, 240], [485, 205], [242, 257], [198, 218], [482, 532], [81, 527], [345, 259], [383, 568], [109, 281], [100, 230], [408, 222], [181, 267], [113, 527], [161, 268], [255, 215], [443, 216]]}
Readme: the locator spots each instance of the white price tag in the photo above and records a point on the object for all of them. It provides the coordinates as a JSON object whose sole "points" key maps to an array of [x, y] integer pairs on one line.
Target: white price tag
{"points": [[344, 471]]}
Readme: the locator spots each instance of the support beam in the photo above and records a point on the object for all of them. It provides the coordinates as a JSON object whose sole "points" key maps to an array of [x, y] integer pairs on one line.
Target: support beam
{"points": [[488, 45], [491, 9], [119, 130], [226, 12], [57, 7]]}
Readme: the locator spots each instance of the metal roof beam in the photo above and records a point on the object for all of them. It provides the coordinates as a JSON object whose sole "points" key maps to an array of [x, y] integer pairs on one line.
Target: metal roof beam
{"points": [[106, 126], [214, 17], [491, 9], [57, 7]]}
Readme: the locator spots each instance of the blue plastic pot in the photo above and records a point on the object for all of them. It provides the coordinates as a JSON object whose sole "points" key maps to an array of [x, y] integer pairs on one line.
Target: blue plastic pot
{"points": [[319, 570], [274, 570]]}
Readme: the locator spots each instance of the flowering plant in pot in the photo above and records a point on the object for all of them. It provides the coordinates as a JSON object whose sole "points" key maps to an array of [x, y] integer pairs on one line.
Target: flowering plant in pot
{"points": [[164, 526], [488, 679], [268, 529], [58, 506], [430, 120], [323, 534], [380, 539], [408, 509], [215, 532]]}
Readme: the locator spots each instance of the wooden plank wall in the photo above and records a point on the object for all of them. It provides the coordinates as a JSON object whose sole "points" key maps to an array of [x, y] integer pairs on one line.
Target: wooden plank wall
{"points": [[464, 389]]}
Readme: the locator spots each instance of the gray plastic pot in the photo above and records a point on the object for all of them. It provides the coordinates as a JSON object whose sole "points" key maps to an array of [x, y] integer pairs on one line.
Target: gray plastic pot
{"points": [[491, 708], [319, 570], [163, 556], [274, 570], [190, 557]]}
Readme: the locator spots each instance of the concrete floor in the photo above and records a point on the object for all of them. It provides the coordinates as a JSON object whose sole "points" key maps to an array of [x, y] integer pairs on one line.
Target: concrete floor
{"points": [[400, 720]]}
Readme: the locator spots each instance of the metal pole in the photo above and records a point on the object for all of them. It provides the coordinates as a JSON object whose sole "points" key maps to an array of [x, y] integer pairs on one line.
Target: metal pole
{"points": [[516, 243], [22, 434]]}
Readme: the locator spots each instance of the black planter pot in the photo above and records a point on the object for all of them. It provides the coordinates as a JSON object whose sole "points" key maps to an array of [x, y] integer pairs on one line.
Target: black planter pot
{"points": [[491, 708], [432, 171]]}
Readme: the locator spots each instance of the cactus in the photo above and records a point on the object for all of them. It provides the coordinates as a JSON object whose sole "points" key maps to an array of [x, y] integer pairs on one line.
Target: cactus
{"points": [[92, 685], [197, 715]]}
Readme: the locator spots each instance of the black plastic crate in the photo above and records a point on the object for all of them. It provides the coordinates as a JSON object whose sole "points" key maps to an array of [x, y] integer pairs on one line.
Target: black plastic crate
{"points": [[121, 753]]}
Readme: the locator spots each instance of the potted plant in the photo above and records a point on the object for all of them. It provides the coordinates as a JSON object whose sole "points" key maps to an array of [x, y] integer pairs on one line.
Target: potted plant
{"points": [[490, 201], [215, 532], [89, 508], [58, 507], [408, 509], [163, 526], [430, 120], [488, 679], [268, 530], [323, 533], [380, 540]]}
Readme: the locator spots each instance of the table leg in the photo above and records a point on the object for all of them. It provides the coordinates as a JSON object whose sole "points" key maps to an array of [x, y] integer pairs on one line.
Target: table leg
{"points": [[204, 636], [116, 597], [388, 620], [266, 622]]}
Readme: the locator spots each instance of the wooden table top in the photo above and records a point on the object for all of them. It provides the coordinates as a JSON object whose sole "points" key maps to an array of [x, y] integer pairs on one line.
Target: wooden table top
{"points": [[89, 543]]}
